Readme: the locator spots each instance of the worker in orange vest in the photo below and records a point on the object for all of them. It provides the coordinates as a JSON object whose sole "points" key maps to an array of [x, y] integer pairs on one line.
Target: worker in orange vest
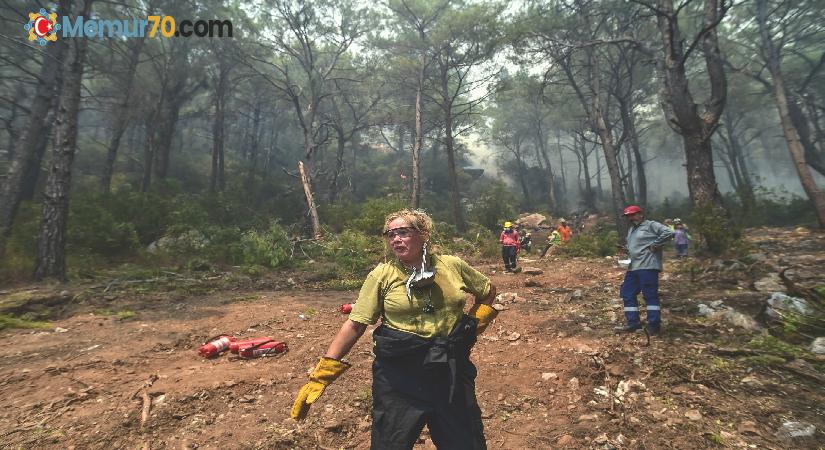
{"points": [[564, 230]]}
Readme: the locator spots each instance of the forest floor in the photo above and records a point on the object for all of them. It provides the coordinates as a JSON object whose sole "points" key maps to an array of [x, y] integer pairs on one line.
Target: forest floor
{"points": [[548, 366]]}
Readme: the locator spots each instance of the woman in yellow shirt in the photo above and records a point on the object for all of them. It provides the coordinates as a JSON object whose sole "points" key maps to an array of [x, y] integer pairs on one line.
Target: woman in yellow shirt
{"points": [[422, 372]]}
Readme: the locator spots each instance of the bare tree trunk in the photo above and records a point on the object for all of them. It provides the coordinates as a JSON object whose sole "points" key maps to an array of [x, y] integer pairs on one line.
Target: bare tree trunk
{"points": [[121, 118], [541, 144], [339, 164], [419, 138], [813, 155], [51, 246], [148, 151], [216, 178], [25, 157], [629, 124], [455, 194], [313, 211], [815, 195]]}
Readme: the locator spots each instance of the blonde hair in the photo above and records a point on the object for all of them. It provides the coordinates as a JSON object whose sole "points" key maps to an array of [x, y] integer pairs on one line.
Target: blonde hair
{"points": [[417, 219]]}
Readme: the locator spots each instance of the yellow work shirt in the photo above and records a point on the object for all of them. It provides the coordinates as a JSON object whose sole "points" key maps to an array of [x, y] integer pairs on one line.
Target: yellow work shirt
{"points": [[384, 295]]}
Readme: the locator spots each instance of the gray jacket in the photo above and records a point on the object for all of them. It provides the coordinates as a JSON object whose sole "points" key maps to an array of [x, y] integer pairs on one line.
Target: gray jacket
{"points": [[644, 244]]}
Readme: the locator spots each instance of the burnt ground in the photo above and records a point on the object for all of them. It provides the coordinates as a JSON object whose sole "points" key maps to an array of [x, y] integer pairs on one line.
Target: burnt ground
{"points": [[548, 366]]}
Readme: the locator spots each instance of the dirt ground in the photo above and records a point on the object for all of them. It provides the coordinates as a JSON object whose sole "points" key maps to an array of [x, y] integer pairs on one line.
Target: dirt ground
{"points": [[548, 367]]}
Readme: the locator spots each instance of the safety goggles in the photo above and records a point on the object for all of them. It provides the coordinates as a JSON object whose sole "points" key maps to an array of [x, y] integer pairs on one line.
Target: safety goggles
{"points": [[401, 232]]}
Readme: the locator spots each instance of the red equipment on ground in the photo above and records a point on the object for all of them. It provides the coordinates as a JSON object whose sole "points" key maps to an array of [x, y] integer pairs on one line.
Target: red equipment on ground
{"points": [[346, 308], [236, 346], [271, 348], [216, 345]]}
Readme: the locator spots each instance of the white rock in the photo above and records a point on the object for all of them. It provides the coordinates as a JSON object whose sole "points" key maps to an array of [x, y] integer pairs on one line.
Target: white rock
{"points": [[792, 429], [780, 302], [818, 346], [738, 319], [693, 414], [60, 330], [770, 283], [546, 376]]}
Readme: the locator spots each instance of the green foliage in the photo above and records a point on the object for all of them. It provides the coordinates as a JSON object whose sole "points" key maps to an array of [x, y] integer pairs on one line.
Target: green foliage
{"points": [[776, 346], [93, 229], [715, 229], [370, 218], [8, 321], [598, 242], [270, 248], [345, 284], [493, 205], [21, 245], [352, 251]]}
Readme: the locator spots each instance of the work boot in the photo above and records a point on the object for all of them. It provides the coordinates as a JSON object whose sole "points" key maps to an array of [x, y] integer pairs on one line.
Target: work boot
{"points": [[516, 269], [654, 330], [628, 328]]}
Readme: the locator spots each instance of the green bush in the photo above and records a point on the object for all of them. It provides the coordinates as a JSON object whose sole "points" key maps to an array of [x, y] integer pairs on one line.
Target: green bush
{"points": [[494, 204], [93, 229], [715, 229], [373, 213], [270, 248], [352, 251], [599, 242], [21, 245]]}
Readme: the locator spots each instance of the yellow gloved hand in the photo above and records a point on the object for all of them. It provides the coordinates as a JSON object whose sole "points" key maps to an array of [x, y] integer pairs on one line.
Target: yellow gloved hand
{"points": [[327, 371], [484, 313]]}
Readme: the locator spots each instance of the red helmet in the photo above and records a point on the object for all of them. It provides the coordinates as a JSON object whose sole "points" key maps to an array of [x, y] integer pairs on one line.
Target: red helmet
{"points": [[632, 209]]}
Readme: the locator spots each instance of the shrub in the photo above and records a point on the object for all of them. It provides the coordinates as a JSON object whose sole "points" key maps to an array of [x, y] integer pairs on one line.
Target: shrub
{"points": [[270, 248], [93, 229], [373, 212], [352, 251], [600, 241], [493, 204]]}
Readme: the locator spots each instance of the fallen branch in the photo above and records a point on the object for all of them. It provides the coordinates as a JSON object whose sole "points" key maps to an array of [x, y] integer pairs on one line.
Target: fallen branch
{"points": [[147, 408]]}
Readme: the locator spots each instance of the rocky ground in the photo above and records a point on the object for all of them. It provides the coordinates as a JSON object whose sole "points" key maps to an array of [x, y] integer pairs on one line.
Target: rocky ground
{"points": [[551, 372]]}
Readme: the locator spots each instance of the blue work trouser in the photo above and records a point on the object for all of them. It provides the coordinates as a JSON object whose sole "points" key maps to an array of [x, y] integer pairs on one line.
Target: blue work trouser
{"points": [[646, 281]]}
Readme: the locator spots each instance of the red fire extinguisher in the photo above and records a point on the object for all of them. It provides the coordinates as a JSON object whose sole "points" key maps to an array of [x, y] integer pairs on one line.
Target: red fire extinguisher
{"points": [[346, 308], [240, 345], [271, 348], [216, 345]]}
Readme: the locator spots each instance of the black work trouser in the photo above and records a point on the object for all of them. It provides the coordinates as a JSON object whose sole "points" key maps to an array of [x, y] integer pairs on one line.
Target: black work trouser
{"points": [[508, 253], [407, 395]]}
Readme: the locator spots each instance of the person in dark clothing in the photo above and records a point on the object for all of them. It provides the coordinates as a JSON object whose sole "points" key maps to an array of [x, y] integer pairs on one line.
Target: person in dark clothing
{"points": [[422, 373]]}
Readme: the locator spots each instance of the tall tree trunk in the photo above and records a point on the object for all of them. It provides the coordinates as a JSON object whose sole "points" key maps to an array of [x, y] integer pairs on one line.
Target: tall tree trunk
{"points": [[629, 124], [600, 126], [631, 191], [773, 58], [581, 150], [25, 157], [683, 116], [341, 142], [813, 155], [51, 246], [121, 117], [455, 194], [419, 139], [216, 177], [148, 151], [306, 181], [541, 144]]}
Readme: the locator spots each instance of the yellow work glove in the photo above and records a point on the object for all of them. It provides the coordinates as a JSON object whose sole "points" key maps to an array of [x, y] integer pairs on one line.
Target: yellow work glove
{"points": [[327, 371], [484, 313]]}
